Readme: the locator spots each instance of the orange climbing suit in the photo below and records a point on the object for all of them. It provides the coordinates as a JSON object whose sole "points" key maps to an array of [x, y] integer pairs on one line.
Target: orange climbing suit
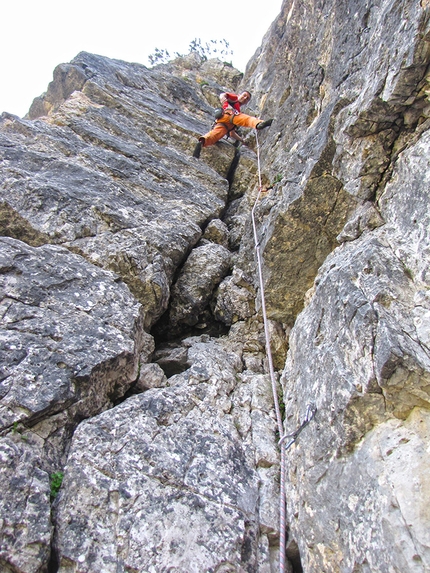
{"points": [[227, 123]]}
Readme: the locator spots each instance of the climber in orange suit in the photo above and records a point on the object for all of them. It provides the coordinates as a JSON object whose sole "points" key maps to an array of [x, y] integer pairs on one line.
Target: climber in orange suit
{"points": [[228, 118]]}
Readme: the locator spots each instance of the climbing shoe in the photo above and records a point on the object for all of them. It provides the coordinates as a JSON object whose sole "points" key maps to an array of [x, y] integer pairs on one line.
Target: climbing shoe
{"points": [[264, 124], [197, 150]]}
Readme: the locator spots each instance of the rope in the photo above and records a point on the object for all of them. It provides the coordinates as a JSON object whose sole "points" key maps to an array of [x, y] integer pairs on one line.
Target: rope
{"points": [[289, 439], [282, 508]]}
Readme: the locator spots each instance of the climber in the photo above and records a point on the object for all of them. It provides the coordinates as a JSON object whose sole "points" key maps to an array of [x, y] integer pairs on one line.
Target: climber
{"points": [[227, 118]]}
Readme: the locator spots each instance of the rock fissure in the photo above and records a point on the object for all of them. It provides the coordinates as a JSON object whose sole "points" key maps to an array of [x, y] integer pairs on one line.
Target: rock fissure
{"points": [[195, 404]]}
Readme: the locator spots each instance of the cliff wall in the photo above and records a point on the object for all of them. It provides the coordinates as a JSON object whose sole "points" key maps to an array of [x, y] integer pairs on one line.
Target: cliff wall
{"points": [[133, 356], [352, 148]]}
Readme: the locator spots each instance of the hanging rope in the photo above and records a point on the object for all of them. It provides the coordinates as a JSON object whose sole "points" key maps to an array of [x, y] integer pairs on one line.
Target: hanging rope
{"points": [[282, 509], [287, 439]]}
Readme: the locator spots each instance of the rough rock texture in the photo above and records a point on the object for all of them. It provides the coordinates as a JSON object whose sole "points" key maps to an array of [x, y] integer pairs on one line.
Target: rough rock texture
{"points": [[180, 483], [203, 271], [92, 183], [71, 338], [375, 343], [63, 321], [355, 127], [346, 84], [234, 298], [133, 349], [96, 174], [216, 232]]}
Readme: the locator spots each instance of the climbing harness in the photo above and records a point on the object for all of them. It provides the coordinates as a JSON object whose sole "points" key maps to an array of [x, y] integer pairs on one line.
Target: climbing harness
{"points": [[228, 126], [311, 409]]}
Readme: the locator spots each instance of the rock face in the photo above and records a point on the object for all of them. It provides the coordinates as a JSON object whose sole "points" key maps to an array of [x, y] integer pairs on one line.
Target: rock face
{"points": [[373, 407], [133, 364], [355, 127], [353, 94], [203, 271], [180, 484], [71, 338], [102, 180], [108, 224]]}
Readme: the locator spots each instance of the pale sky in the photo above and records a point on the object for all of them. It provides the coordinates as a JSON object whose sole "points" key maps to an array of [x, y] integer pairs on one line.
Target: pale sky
{"points": [[37, 35]]}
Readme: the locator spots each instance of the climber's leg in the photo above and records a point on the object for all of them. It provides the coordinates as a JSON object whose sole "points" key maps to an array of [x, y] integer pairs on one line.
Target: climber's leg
{"points": [[264, 124], [214, 135], [246, 120]]}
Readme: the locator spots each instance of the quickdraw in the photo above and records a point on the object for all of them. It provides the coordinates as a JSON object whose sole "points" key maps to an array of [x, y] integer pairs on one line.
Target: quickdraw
{"points": [[310, 413]]}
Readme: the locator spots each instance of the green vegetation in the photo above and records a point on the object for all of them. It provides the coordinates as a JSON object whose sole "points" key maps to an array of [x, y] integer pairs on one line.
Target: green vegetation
{"points": [[159, 57], [211, 49], [408, 273], [277, 179], [17, 429], [56, 481], [281, 402]]}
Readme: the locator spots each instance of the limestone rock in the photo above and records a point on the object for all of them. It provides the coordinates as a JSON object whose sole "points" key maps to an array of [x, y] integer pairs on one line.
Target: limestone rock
{"points": [[26, 527], [234, 299], [104, 171], [216, 232], [174, 464], [338, 126], [245, 175], [150, 376], [63, 322], [172, 358], [203, 271], [366, 217], [71, 338], [236, 218], [210, 74], [67, 79], [360, 352], [177, 481]]}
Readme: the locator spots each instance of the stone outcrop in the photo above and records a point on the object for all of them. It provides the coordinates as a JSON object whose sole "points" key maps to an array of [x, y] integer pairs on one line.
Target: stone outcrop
{"points": [[353, 118], [166, 478], [203, 271], [133, 366], [373, 409], [352, 96], [71, 335], [110, 224], [103, 181]]}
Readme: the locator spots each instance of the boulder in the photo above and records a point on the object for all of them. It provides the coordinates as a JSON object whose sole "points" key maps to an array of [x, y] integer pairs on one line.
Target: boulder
{"points": [[203, 271]]}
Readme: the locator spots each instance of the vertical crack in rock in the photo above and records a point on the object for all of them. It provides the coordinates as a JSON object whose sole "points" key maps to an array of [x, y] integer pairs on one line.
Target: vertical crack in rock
{"points": [[142, 226], [191, 306], [112, 230]]}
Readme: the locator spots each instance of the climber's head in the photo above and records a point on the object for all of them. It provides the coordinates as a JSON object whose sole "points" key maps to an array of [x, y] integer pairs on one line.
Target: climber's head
{"points": [[244, 97]]}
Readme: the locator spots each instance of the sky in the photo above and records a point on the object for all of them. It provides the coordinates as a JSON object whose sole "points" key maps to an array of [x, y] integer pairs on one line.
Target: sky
{"points": [[36, 36]]}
